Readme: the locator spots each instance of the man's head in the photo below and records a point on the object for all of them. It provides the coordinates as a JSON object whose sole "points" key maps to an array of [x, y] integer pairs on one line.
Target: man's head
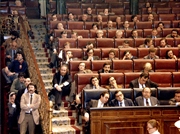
{"points": [[174, 33], [150, 17], [154, 32], [99, 18], [19, 56], [104, 97], [27, 81], [14, 45], [63, 34], [14, 35], [94, 81], [112, 54], [60, 26], [134, 33], [148, 42], [21, 76], [127, 55], [67, 45], [110, 24], [12, 97], [69, 54], [119, 95], [118, 20], [146, 92], [95, 26], [99, 33], [163, 42], [70, 16], [177, 95], [90, 52], [31, 88], [64, 69], [89, 45], [152, 52], [143, 78], [84, 17], [169, 54], [119, 34], [18, 3], [125, 44], [54, 17], [106, 11], [107, 67], [89, 11], [112, 81], [82, 66], [149, 10], [147, 67], [126, 24], [74, 35]]}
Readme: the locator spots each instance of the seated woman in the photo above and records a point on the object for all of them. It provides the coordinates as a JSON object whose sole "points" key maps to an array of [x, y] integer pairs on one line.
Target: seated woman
{"points": [[113, 84], [111, 55], [170, 55], [95, 26], [147, 68]]}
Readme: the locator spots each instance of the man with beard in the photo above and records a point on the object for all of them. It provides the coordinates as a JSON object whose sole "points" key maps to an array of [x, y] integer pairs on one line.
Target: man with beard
{"points": [[14, 37], [174, 34]]}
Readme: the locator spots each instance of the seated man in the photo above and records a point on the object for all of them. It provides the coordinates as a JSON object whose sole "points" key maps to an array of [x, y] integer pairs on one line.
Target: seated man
{"points": [[126, 26], [174, 34], [62, 85], [170, 55], [154, 34], [68, 57], [112, 55], [99, 33], [176, 99], [146, 99], [89, 11], [119, 34], [102, 102], [110, 25], [142, 81], [90, 55], [11, 72], [18, 83], [89, 45], [125, 44], [120, 100], [106, 68], [147, 68], [75, 35], [60, 26], [164, 43], [134, 34], [152, 54], [148, 43], [128, 56], [112, 84]]}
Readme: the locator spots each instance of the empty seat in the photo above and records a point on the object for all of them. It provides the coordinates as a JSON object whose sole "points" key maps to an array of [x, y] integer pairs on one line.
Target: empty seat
{"points": [[111, 33], [145, 17], [177, 42], [160, 5], [143, 25], [88, 25], [167, 24], [21, 10], [174, 4], [115, 3], [75, 11], [82, 42], [178, 65], [105, 52], [121, 66], [170, 41], [73, 67], [86, 5], [105, 43], [72, 5], [128, 77], [83, 33], [81, 80], [175, 23], [119, 77], [102, 5], [176, 79], [96, 65], [165, 94], [73, 42], [175, 10], [166, 17], [143, 52], [118, 11], [133, 51], [166, 31], [178, 16], [163, 10], [76, 52], [165, 65], [57, 33], [75, 25], [162, 52], [128, 33], [4, 10], [164, 80], [139, 41], [119, 42], [138, 64], [4, 4]]}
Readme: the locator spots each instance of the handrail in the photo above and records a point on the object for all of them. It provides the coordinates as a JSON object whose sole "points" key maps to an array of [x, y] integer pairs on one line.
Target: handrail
{"points": [[36, 78]]}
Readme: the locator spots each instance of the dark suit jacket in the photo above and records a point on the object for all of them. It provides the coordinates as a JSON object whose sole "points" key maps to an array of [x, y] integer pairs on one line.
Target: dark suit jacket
{"points": [[127, 102], [150, 36], [94, 58], [67, 77], [18, 99], [139, 101], [149, 83], [102, 71]]}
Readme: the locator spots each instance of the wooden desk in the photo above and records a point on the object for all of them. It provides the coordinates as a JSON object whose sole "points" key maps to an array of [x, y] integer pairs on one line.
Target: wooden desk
{"points": [[132, 120]]}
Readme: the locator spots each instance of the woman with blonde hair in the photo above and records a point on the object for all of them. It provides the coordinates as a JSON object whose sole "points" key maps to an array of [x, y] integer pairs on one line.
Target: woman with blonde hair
{"points": [[153, 126]]}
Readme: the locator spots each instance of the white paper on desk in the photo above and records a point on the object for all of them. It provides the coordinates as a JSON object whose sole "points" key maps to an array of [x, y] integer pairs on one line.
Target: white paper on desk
{"points": [[66, 83], [14, 105]]}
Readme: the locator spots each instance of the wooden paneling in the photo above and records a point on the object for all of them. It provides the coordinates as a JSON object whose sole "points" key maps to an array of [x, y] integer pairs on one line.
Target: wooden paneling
{"points": [[132, 120]]}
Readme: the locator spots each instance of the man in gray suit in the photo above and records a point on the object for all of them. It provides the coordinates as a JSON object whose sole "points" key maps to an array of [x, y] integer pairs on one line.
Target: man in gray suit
{"points": [[120, 100], [146, 99], [29, 116]]}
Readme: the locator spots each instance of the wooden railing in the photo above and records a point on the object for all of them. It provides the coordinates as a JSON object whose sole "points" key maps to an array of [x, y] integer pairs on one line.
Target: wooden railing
{"points": [[36, 78]]}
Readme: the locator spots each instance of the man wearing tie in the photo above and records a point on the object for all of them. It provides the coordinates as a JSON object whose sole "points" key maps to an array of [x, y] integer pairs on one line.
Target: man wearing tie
{"points": [[120, 100], [29, 116], [146, 99], [142, 81], [62, 85]]}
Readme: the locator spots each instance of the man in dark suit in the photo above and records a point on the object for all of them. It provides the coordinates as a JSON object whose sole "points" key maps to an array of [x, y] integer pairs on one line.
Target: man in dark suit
{"points": [[102, 102], [90, 55], [62, 85], [142, 81], [106, 68], [146, 99], [154, 34], [120, 100]]}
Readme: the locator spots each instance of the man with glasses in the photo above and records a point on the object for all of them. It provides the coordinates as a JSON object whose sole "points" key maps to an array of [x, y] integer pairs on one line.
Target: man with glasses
{"points": [[142, 81], [90, 55], [146, 99], [120, 100]]}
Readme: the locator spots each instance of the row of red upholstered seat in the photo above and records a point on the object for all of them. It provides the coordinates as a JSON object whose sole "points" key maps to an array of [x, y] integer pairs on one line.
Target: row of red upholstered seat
{"points": [[112, 43], [88, 25], [8, 10], [167, 79], [122, 66]]}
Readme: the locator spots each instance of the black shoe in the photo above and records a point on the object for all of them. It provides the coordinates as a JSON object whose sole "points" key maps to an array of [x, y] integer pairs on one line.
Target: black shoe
{"points": [[56, 107]]}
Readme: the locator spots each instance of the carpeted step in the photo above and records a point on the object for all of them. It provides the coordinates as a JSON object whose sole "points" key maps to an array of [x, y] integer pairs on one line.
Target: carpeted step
{"points": [[41, 54], [59, 121], [36, 49], [66, 129], [48, 76], [47, 82]]}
